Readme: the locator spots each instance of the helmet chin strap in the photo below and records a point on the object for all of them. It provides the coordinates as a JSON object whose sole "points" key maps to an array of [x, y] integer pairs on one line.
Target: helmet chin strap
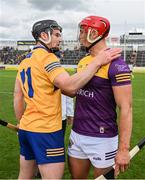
{"points": [[92, 40], [42, 42], [95, 41], [50, 50], [45, 42]]}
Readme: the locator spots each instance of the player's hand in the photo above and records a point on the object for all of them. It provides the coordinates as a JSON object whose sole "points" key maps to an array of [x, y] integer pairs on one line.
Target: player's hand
{"points": [[18, 126], [106, 56], [122, 161]]}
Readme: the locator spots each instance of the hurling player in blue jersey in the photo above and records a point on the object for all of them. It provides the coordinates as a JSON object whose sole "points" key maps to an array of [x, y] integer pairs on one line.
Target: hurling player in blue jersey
{"points": [[94, 136]]}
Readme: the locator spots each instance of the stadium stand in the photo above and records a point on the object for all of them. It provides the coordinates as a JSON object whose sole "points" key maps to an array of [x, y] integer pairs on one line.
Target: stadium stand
{"points": [[140, 60], [70, 54], [9, 55]]}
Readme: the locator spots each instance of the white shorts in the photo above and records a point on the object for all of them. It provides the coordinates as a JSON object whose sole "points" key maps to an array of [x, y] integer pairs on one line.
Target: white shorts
{"points": [[100, 151]]}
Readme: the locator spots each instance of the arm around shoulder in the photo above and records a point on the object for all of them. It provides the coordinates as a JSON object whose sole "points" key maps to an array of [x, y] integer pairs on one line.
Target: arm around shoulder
{"points": [[71, 84]]}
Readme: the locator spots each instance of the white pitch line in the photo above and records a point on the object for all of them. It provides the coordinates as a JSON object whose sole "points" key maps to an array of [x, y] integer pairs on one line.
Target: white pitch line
{"points": [[6, 92], [7, 76], [139, 100]]}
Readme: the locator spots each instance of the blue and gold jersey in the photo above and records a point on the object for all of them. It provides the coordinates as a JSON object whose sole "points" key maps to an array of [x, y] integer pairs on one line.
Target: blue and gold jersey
{"points": [[36, 74], [95, 112]]}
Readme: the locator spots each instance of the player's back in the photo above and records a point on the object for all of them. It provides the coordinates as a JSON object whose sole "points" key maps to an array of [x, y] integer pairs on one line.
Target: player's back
{"points": [[43, 112]]}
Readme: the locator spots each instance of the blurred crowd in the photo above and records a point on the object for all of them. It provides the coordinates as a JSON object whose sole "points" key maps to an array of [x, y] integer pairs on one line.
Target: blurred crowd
{"points": [[9, 55]]}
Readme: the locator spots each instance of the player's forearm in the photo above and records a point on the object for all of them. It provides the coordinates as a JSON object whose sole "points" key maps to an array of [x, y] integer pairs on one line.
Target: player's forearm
{"points": [[78, 80], [70, 85], [125, 128]]}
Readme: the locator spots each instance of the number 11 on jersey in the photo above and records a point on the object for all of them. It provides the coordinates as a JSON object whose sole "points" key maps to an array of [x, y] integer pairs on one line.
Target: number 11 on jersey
{"points": [[27, 73]]}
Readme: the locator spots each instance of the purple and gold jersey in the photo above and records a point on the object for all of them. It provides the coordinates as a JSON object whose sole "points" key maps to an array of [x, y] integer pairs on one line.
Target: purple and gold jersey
{"points": [[36, 74], [95, 112]]}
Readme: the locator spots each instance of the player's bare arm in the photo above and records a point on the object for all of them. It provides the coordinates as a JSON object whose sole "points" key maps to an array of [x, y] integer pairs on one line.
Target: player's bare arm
{"points": [[70, 84], [123, 97], [18, 100]]}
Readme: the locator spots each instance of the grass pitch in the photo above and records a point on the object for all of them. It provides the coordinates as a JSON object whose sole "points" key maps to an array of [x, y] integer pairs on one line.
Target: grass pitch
{"points": [[9, 147]]}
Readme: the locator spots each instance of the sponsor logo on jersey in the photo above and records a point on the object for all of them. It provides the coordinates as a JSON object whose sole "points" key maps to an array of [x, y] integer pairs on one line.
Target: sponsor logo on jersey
{"points": [[85, 93], [122, 68]]}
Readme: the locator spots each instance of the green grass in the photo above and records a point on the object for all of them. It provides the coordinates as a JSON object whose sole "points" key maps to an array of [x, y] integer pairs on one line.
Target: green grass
{"points": [[9, 147]]}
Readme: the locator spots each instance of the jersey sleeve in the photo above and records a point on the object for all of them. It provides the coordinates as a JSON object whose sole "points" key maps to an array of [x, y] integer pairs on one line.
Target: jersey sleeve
{"points": [[52, 66], [119, 73]]}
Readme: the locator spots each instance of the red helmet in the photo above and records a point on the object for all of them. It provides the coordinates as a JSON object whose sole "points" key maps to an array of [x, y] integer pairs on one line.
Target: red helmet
{"points": [[102, 25]]}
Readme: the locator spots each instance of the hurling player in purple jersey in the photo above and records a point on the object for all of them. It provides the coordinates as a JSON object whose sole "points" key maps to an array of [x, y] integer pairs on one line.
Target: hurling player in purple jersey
{"points": [[94, 138]]}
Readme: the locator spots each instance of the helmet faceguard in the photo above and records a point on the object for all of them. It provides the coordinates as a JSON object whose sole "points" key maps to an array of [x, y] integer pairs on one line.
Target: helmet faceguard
{"points": [[95, 23]]}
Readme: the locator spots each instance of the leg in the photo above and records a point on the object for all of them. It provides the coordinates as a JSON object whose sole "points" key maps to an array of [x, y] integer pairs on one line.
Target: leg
{"points": [[103, 160], [27, 168], [49, 154], [51, 170], [100, 171], [79, 168], [78, 161]]}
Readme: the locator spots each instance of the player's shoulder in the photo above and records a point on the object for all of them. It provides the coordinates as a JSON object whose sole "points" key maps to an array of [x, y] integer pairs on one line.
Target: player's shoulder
{"points": [[85, 60], [42, 52], [118, 66], [23, 62], [44, 57], [119, 63]]}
